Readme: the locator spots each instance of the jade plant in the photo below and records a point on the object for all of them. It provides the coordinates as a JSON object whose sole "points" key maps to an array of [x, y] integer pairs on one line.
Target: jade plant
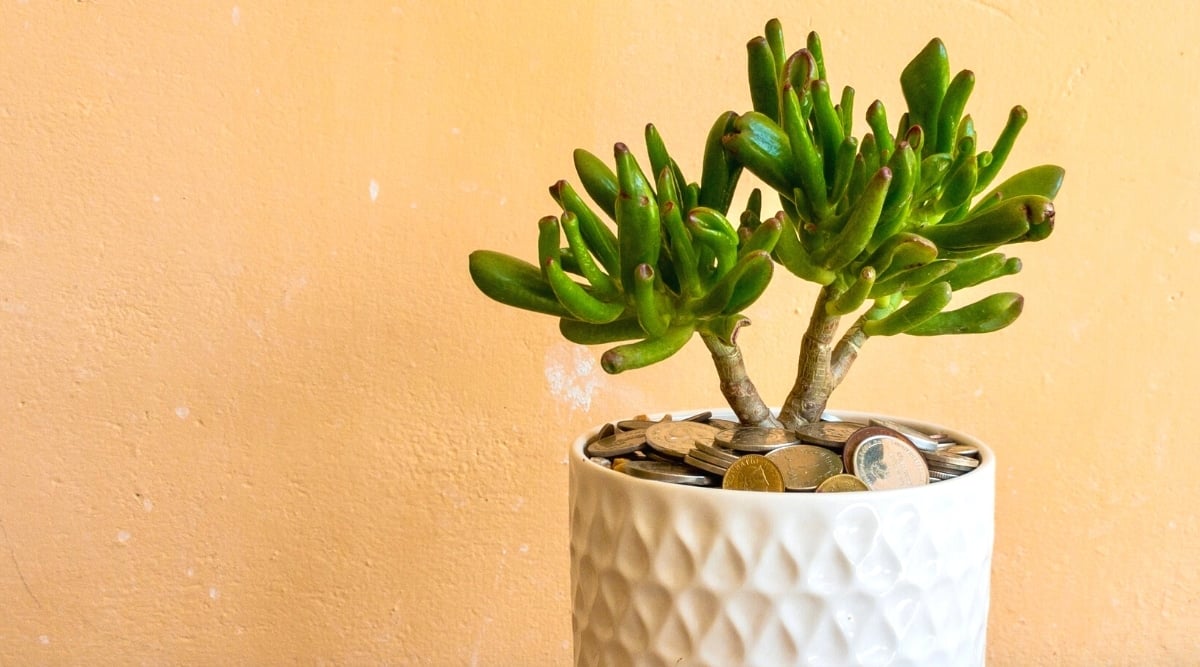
{"points": [[891, 225]]}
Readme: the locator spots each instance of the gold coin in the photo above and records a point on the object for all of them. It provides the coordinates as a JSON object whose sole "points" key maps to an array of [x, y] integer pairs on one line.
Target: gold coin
{"points": [[842, 483], [804, 467], [723, 424], [754, 473], [889, 461], [676, 439]]}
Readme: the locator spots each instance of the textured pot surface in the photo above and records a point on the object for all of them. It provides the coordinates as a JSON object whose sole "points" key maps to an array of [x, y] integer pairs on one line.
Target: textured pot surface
{"points": [[673, 575]]}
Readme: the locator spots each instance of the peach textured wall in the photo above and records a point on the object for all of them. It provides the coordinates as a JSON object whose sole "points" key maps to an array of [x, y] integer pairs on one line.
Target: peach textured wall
{"points": [[253, 411]]}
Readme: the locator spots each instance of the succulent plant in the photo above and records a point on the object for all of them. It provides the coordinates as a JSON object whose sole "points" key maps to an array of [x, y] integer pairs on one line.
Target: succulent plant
{"points": [[891, 226]]}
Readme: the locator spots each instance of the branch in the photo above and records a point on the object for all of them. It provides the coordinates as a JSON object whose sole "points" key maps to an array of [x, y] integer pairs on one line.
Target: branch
{"points": [[814, 382], [847, 351], [736, 386]]}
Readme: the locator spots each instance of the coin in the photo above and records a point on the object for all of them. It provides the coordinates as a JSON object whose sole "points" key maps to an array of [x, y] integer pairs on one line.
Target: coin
{"points": [[756, 438], [950, 462], [919, 440], [605, 431], [715, 460], [887, 461], [962, 450], [676, 439], [723, 424], [699, 417], [702, 464], [618, 444], [827, 434], [717, 453], [661, 471], [634, 424], [938, 475], [601, 461], [842, 483], [754, 473], [860, 435], [804, 467]]}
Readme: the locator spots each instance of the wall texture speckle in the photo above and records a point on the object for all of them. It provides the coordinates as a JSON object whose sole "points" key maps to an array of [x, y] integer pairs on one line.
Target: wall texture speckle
{"points": [[254, 412]]}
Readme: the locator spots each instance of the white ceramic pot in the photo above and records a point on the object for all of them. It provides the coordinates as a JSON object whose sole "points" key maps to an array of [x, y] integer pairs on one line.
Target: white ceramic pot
{"points": [[671, 575]]}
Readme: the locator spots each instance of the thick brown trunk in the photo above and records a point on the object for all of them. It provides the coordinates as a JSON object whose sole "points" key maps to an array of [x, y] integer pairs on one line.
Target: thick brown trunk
{"points": [[736, 386], [814, 381]]}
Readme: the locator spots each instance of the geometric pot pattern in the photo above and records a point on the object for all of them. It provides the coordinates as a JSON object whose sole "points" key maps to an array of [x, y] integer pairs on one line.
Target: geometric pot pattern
{"points": [[664, 575]]}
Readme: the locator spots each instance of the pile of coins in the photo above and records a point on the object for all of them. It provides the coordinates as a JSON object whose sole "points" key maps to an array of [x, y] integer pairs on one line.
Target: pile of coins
{"points": [[826, 456]]}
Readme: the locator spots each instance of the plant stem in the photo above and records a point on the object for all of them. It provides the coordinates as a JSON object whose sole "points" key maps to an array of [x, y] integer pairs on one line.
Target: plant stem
{"points": [[814, 381], [847, 351], [736, 386]]}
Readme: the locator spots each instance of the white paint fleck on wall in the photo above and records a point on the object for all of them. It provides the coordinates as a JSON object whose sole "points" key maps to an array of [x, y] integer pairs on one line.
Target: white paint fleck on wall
{"points": [[123, 536], [294, 286], [572, 375], [214, 593], [1077, 329], [1194, 236], [373, 189], [147, 504], [182, 412], [236, 15], [44, 640]]}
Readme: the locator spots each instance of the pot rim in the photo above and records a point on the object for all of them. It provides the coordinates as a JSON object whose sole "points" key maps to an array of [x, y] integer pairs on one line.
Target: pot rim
{"points": [[984, 474]]}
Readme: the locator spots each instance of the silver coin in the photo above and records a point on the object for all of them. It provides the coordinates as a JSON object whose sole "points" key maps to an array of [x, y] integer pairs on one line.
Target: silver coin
{"points": [[605, 431], [804, 467], [601, 461], [723, 424], [951, 461], [828, 434], [758, 439], [962, 450], [919, 440], [715, 452], [618, 444], [676, 439], [719, 462], [939, 475], [885, 461], [705, 465], [661, 471]]}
